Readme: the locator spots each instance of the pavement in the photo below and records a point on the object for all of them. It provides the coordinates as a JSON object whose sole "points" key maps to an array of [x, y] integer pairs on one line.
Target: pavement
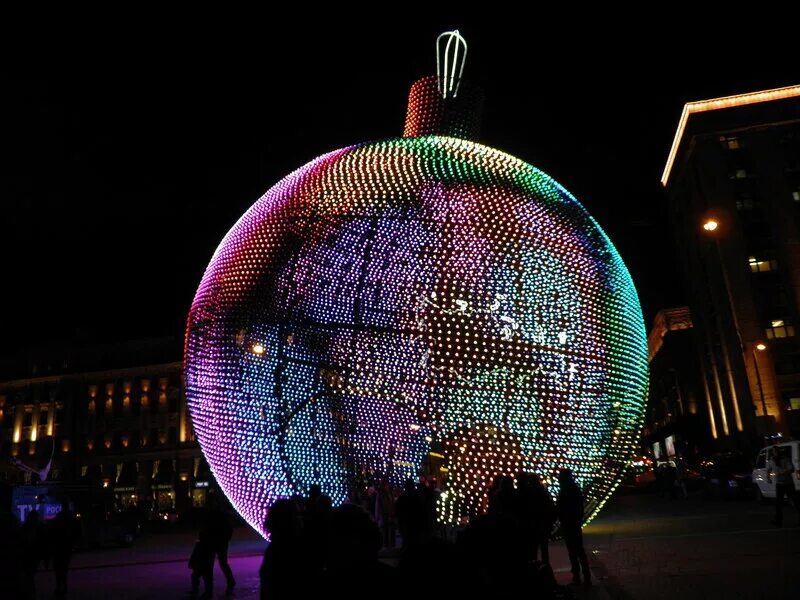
{"points": [[641, 546], [155, 567], [651, 547]]}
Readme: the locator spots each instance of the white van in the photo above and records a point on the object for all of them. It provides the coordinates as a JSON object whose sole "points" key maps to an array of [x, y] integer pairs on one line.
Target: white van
{"points": [[763, 482]]}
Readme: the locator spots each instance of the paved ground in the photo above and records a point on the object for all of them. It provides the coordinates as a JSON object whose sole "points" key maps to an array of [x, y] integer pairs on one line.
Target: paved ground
{"points": [[155, 567], [653, 548], [640, 547]]}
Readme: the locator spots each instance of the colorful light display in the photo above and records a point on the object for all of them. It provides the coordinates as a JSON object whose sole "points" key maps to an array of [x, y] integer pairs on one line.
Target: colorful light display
{"points": [[397, 297]]}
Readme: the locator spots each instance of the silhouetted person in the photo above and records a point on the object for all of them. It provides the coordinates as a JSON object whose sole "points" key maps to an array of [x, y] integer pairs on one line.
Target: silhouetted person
{"points": [[10, 557], [537, 514], [220, 530], [281, 568], [32, 550], [385, 513], [570, 514], [315, 524], [494, 557], [781, 469], [62, 535], [429, 496], [202, 564], [352, 556], [410, 514], [682, 476], [503, 499]]}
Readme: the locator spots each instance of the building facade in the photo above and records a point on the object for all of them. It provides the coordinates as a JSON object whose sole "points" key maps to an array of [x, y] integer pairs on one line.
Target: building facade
{"points": [[732, 182], [678, 418], [125, 429]]}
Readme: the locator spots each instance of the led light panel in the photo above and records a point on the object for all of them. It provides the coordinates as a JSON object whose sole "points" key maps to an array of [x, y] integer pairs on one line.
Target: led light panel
{"points": [[406, 296]]}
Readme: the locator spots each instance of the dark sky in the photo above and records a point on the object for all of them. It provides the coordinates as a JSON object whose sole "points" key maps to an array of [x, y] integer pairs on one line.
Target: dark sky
{"points": [[126, 166]]}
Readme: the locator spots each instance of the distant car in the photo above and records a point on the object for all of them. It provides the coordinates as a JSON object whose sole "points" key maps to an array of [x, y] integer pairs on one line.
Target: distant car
{"points": [[763, 483], [640, 474], [727, 475], [168, 516], [644, 479]]}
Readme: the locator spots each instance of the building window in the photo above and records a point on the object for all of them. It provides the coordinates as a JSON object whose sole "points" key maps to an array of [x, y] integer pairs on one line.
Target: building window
{"points": [[27, 420], [779, 329], [730, 142], [796, 195], [761, 266], [738, 174]]}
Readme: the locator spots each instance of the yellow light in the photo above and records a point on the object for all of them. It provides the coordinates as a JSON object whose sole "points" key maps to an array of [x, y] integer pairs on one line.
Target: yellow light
{"points": [[258, 349], [761, 346], [719, 103], [710, 225]]}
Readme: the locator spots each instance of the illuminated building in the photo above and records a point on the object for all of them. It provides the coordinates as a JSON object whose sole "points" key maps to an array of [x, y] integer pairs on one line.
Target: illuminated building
{"points": [[415, 295], [733, 184], [112, 416], [679, 415]]}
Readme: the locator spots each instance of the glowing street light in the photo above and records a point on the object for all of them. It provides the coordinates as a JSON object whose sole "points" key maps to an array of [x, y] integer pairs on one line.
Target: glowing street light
{"points": [[760, 346], [710, 225]]}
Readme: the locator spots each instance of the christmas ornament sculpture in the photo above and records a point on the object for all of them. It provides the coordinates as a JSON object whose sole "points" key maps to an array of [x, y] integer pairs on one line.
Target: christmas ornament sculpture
{"points": [[418, 295]]}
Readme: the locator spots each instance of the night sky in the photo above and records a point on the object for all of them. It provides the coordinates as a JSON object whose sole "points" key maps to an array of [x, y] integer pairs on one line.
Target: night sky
{"points": [[122, 176]]}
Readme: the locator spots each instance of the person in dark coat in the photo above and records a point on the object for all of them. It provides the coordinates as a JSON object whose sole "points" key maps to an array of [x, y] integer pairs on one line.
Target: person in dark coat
{"points": [[353, 542], [316, 512], [283, 563], [503, 500], [11, 584], [570, 514], [537, 514], [411, 517], [220, 531], [202, 565], [32, 552], [62, 535]]}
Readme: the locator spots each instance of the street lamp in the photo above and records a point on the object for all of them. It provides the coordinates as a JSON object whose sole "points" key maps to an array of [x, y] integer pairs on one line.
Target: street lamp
{"points": [[711, 227], [759, 347]]}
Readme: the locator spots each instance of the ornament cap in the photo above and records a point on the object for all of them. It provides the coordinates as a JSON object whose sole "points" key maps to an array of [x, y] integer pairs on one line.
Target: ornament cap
{"points": [[445, 104]]}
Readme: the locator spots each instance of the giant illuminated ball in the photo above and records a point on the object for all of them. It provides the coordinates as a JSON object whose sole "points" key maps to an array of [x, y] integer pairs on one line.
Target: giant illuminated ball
{"points": [[415, 295]]}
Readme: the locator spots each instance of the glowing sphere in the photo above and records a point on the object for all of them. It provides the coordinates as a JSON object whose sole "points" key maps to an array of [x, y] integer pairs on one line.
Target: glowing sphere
{"points": [[413, 295]]}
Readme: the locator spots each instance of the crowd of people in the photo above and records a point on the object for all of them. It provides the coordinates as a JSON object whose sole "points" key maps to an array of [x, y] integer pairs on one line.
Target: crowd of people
{"points": [[316, 548], [24, 547]]}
